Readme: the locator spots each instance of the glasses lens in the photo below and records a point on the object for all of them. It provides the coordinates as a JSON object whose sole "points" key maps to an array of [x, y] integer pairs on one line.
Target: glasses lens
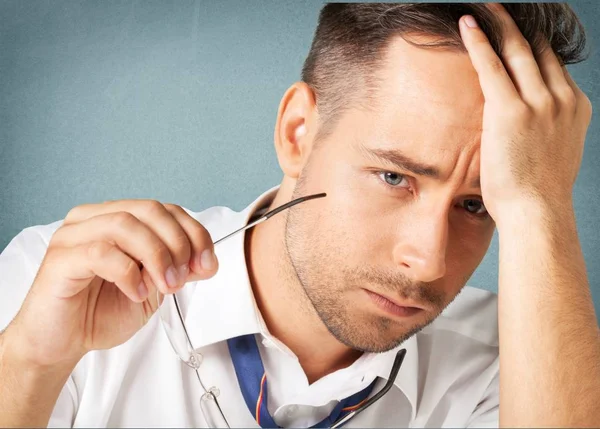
{"points": [[170, 317], [211, 410]]}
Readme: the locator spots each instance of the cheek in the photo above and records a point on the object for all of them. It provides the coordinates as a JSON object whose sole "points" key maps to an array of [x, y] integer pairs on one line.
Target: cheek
{"points": [[344, 207]]}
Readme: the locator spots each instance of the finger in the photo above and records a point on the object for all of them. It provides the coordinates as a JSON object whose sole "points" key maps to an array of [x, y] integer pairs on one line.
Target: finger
{"points": [[554, 76], [577, 99], [495, 82], [171, 233], [72, 269], [203, 261], [152, 289], [158, 219], [574, 88], [131, 235], [519, 61]]}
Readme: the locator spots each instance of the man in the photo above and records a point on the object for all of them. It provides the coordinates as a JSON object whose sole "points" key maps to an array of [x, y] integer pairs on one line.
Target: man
{"points": [[421, 151]]}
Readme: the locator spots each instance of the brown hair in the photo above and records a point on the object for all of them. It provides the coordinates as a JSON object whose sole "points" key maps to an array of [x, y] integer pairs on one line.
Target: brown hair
{"points": [[351, 38]]}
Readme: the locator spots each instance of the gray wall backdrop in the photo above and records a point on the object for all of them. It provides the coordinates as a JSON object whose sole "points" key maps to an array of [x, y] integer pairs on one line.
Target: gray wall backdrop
{"points": [[176, 101]]}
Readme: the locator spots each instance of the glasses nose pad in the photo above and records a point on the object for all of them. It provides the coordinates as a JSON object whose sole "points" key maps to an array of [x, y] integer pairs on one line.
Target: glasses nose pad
{"points": [[211, 410], [215, 391], [195, 359]]}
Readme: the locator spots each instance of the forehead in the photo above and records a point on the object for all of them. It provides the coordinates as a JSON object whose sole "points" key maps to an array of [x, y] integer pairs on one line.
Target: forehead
{"points": [[428, 96]]}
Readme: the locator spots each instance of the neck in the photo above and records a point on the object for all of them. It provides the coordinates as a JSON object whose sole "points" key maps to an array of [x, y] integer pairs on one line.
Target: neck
{"points": [[287, 311]]}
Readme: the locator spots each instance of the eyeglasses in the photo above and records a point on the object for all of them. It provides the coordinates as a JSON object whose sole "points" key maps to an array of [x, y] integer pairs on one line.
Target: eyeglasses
{"points": [[174, 326]]}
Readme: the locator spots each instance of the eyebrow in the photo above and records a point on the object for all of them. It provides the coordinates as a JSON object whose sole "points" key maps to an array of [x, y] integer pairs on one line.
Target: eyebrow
{"points": [[403, 162]]}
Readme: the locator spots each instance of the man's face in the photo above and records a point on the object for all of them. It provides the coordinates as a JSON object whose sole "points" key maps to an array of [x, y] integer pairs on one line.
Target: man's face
{"points": [[385, 233]]}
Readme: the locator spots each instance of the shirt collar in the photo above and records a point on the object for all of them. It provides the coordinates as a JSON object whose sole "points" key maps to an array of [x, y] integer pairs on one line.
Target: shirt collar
{"points": [[407, 378], [224, 307]]}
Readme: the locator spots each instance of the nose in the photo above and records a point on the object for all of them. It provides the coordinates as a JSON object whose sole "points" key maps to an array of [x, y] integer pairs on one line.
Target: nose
{"points": [[420, 253]]}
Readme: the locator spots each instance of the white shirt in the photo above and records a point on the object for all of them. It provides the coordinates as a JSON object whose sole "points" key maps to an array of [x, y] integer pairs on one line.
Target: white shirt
{"points": [[449, 377]]}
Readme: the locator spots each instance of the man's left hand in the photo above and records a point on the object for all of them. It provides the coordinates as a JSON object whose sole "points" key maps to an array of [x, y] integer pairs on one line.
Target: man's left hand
{"points": [[534, 122]]}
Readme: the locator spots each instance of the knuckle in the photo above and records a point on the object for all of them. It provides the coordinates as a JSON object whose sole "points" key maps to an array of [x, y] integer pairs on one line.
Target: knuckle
{"points": [[98, 250], [586, 107], [587, 103], [202, 234], [495, 66], [202, 240], [59, 236], [130, 270], [172, 207], [123, 219], [181, 248], [585, 100], [181, 241], [546, 102], [522, 45], [521, 112], [568, 98], [153, 206], [176, 210], [73, 214], [160, 255]]}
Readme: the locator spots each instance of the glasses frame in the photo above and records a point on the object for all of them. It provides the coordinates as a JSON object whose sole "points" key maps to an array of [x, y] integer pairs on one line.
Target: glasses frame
{"points": [[195, 360]]}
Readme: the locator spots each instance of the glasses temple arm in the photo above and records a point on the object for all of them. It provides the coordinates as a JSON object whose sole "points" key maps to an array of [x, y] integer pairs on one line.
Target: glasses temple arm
{"points": [[390, 382]]}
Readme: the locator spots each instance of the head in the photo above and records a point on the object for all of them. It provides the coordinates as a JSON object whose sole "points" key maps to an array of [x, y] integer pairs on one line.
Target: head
{"points": [[387, 121]]}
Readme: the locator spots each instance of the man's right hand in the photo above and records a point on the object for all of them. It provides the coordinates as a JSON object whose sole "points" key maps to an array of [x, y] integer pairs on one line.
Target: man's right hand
{"points": [[96, 286]]}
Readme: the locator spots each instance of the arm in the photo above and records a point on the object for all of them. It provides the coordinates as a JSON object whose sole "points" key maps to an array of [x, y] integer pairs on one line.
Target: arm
{"points": [[71, 307], [549, 337], [535, 121], [28, 392]]}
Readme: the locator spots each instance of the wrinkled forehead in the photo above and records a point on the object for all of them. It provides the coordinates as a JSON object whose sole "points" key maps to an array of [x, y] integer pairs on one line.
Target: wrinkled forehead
{"points": [[428, 94]]}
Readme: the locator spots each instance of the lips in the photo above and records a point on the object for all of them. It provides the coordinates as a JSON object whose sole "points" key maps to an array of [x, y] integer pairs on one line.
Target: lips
{"points": [[396, 308]]}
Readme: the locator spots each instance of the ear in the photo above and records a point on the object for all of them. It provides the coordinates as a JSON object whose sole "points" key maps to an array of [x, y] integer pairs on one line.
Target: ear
{"points": [[294, 130]]}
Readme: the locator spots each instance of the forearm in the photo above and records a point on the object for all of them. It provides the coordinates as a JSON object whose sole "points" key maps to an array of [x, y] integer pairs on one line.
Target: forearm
{"points": [[27, 393], [549, 336]]}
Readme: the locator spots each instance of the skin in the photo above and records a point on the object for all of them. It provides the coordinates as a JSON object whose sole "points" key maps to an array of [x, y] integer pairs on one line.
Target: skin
{"points": [[514, 131], [416, 240], [534, 125], [520, 129]]}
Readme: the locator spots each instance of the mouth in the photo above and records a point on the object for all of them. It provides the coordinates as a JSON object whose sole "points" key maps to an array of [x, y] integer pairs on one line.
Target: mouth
{"points": [[394, 307]]}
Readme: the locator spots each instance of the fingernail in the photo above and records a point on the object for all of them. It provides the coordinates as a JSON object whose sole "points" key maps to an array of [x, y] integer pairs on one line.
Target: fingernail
{"points": [[470, 21], [171, 277], [142, 291], [183, 272], [207, 260]]}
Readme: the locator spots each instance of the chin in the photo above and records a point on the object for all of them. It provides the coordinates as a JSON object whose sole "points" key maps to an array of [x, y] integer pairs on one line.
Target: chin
{"points": [[375, 335]]}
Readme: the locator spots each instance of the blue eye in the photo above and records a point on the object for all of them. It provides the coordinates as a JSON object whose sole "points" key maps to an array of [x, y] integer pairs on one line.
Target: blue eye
{"points": [[392, 179], [475, 207]]}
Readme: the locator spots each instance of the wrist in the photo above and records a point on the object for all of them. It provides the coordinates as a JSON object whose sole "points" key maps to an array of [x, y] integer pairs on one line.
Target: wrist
{"points": [[28, 392], [524, 214], [28, 360]]}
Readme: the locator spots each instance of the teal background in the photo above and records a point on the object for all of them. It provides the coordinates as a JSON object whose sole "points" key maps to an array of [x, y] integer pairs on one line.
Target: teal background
{"points": [[176, 101]]}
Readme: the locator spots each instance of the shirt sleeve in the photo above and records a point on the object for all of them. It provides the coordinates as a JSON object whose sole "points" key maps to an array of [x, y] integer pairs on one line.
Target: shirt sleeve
{"points": [[487, 412], [19, 264], [18, 270]]}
